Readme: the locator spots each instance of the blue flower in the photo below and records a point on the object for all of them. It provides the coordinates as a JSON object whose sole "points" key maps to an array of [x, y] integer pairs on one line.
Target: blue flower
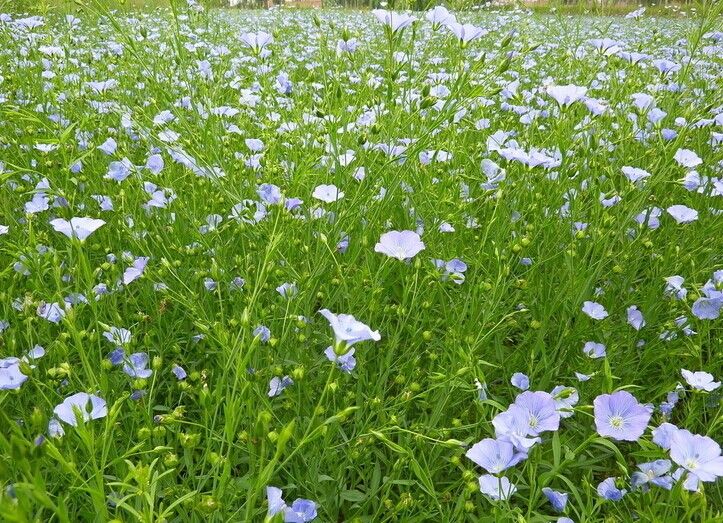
{"points": [[607, 489], [558, 500]]}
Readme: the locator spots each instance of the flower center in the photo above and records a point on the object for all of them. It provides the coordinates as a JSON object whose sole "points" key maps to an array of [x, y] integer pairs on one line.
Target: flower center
{"points": [[533, 421], [691, 464], [616, 422]]}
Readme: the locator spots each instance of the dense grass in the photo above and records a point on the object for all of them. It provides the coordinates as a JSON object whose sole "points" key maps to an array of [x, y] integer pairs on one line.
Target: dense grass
{"points": [[387, 441]]}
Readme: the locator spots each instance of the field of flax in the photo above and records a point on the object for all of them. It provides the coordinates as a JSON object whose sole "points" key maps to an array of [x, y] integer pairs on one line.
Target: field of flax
{"points": [[364, 267]]}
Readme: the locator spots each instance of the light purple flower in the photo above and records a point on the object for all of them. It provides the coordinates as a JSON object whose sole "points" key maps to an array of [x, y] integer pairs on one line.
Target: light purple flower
{"points": [[136, 366], [496, 488], [700, 455], [594, 350], [346, 361], [687, 158], [620, 416], [663, 435], [558, 500], [277, 385], [521, 381], [708, 308], [79, 228], [495, 455], [682, 214], [635, 318], [327, 193], [512, 425], [395, 21], [594, 310], [179, 372], [401, 245], [10, 376], [655, 472], [136, 270], [607, 490], [88, 406], [300, 511], [541, 411], [465, 33], [566, 95], [52, 312], [700, 380], [348, 330], [257, 41]]}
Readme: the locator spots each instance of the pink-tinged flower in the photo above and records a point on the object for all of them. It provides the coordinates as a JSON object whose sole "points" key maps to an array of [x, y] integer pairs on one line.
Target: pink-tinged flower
{"points": [[401, 245], [620, 416], [79, 228]]}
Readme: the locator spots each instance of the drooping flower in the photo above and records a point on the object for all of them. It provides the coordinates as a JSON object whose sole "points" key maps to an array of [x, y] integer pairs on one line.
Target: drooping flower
{"points": [[52, 312], [620, 416], [439, 15], [87, 406], [401, 245], [118, 336], [346, 361], [558, 500], [79, 228], [277, 385], [136, 270], [635, 318], [495, 455], [10, 376], [608, 490], [700, 380], [520, 380], [496, 488]]}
